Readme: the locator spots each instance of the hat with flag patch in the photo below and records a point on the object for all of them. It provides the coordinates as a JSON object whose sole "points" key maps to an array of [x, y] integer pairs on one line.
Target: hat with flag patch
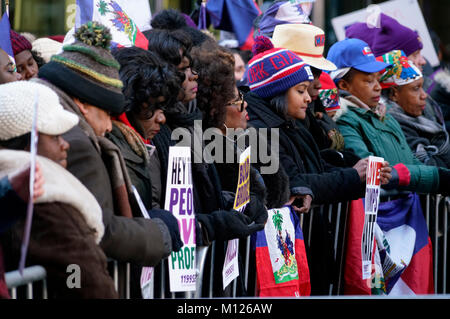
{"points": [[353, 53], [272, 71], [306, 40]]}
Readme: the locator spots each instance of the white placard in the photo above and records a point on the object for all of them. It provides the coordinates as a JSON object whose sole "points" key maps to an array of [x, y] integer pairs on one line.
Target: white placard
{"points": [[242, 198], [180, 201], [372, 199], [406, 12]]}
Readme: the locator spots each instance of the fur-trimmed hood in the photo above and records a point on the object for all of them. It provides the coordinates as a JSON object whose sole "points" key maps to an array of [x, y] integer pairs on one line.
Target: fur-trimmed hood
{"points": [[443, 78], [59, 186]]}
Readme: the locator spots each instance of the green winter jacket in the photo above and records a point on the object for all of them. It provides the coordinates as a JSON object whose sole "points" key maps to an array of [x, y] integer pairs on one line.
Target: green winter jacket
{"points": [[366, 134]]}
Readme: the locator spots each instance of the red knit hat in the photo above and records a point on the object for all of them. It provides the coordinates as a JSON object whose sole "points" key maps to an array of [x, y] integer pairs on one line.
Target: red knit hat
{"points": [[19, 43]]}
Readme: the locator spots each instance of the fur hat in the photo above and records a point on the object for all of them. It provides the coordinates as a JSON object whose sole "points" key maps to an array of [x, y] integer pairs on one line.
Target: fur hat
{"points": [[87, 70], [17, 108]]}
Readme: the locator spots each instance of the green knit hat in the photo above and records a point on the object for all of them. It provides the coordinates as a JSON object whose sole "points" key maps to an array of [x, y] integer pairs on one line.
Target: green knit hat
{"points": [[87, 70]]}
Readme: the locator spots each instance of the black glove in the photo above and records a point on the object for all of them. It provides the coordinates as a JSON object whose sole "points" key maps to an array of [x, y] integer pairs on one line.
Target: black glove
{"points": [[256, 210], [171, 223], [226, 225], [444, 181]]}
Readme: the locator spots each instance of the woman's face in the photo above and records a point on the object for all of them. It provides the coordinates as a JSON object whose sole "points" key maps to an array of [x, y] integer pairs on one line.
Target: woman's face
{"points": [[26, 65], [418, 59], [189, 85], [237, 116], [7, 69], [239, 67], [152, 125], [297, 99], [364, 86], [411, 97], [53, 147]]}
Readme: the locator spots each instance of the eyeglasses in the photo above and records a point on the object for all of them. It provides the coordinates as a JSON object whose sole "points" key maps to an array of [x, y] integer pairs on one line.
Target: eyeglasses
{"points": [[240, 101]]}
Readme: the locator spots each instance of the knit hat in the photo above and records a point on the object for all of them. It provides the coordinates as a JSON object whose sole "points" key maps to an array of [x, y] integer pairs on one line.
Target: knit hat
{"points": [[272, 71], [87, 70], [19, 43], [46, 47], [17, 109], [306, 40], [328, 93], [401, 72], [391, 35]]}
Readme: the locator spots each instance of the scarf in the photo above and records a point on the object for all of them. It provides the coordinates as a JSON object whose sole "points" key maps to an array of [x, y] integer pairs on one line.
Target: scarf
{"points": [[379, 110]]}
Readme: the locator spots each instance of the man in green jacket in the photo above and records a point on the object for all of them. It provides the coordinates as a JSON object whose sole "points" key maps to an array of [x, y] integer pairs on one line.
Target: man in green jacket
{"points": [[366, 127]]}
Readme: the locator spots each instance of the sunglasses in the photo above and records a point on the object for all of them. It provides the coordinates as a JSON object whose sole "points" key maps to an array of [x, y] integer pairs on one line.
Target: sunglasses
{"points": [[238, 102]]}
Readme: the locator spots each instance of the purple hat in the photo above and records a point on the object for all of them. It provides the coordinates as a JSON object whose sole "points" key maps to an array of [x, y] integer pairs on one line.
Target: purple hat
{"points": [[391, 35], [280, 13]]}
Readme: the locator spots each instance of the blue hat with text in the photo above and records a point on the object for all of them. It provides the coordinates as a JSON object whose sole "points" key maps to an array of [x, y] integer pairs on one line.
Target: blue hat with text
{"points": [[355, 53]]}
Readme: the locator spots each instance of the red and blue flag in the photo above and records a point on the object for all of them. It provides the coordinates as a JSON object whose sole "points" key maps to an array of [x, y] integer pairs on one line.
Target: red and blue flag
{"points": [[124, 30], [281, 262], [404, 250]]}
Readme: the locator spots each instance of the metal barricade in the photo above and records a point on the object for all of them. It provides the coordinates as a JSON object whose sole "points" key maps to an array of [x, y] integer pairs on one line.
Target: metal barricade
{"points": [[435, 208], [31, 275]]}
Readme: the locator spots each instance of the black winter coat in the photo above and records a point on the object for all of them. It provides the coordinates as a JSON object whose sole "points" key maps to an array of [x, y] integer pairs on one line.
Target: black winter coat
{"points": [[300, 157]]}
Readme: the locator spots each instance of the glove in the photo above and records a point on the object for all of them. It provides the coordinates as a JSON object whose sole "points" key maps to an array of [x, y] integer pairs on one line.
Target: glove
{"points": [[256, 210], [171, 223], [226, 225], [444, 181]]}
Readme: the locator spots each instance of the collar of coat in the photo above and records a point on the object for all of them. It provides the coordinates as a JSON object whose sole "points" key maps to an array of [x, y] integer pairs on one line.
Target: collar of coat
{"points": [[60, 186], [346, 100]]}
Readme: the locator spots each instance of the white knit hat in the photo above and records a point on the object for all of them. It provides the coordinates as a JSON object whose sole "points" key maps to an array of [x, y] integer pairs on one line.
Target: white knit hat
{"points": [[47, 48], [16, 110]]}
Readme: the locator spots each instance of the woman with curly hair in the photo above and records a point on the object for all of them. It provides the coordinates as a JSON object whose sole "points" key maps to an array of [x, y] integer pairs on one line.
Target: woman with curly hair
{"points": [[216, 221], [150, 87]]}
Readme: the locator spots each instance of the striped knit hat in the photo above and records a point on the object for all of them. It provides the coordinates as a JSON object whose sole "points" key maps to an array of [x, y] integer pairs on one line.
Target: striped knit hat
{"points": [[87, 70], [272, 71]]}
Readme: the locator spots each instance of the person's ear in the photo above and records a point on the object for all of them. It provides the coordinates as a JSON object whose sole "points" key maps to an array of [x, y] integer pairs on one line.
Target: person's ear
{"points": [[343, 85], [83, 109], [393, 94]]}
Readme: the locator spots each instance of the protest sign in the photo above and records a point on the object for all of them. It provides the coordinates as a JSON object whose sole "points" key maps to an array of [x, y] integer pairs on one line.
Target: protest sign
{"points": [[406, 12], [242, 198], [180, 201], [371, 202]]}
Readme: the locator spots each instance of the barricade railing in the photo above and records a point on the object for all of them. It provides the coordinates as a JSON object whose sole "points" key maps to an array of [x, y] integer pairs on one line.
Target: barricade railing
{"points": [[435, 208], [22, 285]]}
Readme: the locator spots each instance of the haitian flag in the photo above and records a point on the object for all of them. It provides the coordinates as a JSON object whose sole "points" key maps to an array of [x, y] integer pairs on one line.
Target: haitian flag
{"points": [[5, 37], [281, 264], [234, 16], [124, 31], [403, 246]]}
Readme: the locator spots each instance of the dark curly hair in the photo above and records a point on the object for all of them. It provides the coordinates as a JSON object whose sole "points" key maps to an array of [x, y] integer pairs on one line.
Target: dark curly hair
{"points": [[172, 19], [144, 76], [168, 44], [216, 84]]}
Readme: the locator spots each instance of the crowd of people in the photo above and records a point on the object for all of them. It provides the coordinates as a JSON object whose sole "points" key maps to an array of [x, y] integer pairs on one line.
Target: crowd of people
{"points": [[105, 121]]}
